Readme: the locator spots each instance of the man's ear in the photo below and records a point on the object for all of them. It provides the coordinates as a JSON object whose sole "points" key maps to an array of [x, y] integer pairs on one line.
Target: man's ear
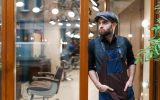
{"points": [[114, 24]]}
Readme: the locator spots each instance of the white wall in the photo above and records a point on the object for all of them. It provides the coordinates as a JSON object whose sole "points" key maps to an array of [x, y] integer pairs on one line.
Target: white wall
{"points": [[52, 47], [145, 94]]}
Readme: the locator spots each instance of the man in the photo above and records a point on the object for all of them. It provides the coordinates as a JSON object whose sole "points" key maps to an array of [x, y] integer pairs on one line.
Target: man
{"points": [[111, 57]]}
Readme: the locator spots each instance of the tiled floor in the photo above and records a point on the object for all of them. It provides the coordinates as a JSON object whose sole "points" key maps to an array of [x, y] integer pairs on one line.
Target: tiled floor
{"points": [[69, 90]]}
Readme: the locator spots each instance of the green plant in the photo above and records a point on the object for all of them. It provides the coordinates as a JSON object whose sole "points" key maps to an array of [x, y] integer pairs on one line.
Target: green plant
{"points": [[152, 52]]}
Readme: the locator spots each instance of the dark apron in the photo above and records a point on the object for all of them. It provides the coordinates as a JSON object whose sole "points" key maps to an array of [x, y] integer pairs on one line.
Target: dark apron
{"points": [[113, 73]]}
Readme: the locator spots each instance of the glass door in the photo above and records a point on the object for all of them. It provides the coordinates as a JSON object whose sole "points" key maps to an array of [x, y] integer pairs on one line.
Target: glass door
{"points": [[47, 41]]}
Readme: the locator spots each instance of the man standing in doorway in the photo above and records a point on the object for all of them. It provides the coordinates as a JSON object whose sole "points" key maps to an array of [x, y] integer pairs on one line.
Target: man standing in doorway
{"points": [[110, 58]]}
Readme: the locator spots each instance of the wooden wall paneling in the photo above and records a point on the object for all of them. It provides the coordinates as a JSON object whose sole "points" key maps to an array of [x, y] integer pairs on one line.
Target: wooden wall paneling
{"points": [[3, 53], [10, 49], [151, 62], [158, 81]]}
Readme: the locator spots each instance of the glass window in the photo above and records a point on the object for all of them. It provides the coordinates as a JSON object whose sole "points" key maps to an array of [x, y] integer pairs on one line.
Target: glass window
{"points": [[24, 5], [38, 3], [47, 41]]}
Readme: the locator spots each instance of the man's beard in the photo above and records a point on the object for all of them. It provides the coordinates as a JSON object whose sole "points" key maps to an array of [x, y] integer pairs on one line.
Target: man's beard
{"points": [[107, 33]]}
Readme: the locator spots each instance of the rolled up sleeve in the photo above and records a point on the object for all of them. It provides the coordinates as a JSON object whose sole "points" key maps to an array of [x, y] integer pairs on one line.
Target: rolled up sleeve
{"points": [[91, 56], [130, 55]]}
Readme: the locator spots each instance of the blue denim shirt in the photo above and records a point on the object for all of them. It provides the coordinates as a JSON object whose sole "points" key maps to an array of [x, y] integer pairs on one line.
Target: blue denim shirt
{"points": [[92, 60], [113, 55]]}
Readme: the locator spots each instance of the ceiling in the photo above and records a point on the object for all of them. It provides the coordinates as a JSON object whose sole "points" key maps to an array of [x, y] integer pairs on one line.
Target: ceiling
{"points": [[118, 6], [65, 6]]}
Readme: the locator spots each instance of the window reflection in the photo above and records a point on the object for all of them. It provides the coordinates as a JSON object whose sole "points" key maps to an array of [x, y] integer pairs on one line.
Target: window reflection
{"points": [[47, 38]]}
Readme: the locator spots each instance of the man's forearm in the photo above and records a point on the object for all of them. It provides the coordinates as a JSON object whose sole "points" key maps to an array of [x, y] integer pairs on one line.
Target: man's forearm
{"points": [[94, 78], [132, 69]]}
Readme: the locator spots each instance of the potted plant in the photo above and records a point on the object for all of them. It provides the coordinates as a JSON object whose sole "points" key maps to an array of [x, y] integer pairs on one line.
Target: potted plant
{"points": [[152, 52]]}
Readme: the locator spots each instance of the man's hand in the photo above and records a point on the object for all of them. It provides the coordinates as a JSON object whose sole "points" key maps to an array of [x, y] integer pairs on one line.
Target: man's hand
{"points": [[128, 84], [131, 71], [100, 87], [104, 88]]}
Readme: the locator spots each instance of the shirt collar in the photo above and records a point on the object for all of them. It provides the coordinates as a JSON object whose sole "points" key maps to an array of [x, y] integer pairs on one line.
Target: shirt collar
{"points": [[113, 39]]}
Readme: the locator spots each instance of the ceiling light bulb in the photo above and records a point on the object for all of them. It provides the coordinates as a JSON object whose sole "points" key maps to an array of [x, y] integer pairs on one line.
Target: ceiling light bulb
{"points": [[45, 40], [68, 24], [142, 35], [76, 36], [63, 42], [36, 10], [145, 84], [60, 24], [71, 14], [130, 35], [90, 25], [93, 24], [145, 23], [95, 8], [91, 35], [19, 4], [72, 35], [77, 25], [94, 3], [52, 22], [68, 33], [32, 38], [55, 11]]}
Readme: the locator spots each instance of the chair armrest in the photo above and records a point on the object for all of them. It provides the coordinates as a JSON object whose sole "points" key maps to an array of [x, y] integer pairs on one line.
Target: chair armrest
{"points": [[56, 80], [45, 78], [45, 73], [41, 78]]}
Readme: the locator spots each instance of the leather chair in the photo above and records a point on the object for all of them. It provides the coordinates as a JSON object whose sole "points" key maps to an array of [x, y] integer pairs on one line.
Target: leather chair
{"points": [[46, 86]]}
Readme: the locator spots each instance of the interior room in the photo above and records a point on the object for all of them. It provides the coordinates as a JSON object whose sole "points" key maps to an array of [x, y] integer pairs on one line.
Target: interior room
{"points": [[47, 37]]}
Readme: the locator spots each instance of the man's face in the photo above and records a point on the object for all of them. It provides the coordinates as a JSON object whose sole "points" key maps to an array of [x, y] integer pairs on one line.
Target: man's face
{"points": [[105, 27]]}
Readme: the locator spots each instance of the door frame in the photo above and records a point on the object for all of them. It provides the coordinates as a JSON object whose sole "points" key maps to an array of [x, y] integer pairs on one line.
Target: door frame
{"points": [[8, 50], [151, 78], [84, 16]]}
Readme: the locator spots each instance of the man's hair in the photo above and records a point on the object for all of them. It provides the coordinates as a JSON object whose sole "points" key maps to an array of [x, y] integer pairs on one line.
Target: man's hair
{"points": [[107, 15]]}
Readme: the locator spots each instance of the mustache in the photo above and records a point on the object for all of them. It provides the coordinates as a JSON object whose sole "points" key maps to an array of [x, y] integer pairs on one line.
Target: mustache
{"points": [[105, 33]]}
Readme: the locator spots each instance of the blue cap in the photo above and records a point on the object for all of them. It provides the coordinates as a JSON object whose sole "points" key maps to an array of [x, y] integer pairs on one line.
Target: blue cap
{"points": [[107, 15]]}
